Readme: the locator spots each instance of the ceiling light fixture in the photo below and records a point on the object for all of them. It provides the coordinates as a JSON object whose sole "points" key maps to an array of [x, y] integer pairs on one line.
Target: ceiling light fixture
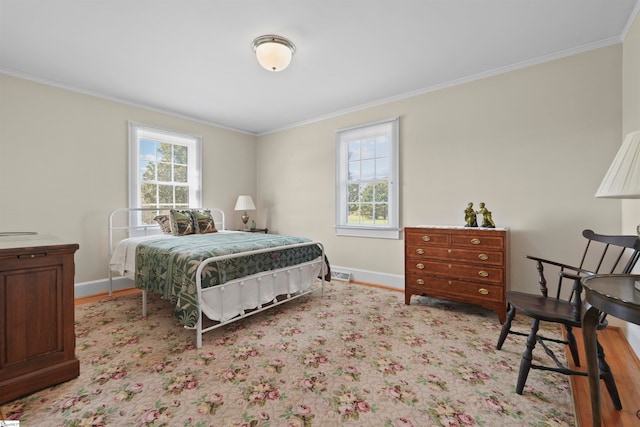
{"points": [[273, 52]]}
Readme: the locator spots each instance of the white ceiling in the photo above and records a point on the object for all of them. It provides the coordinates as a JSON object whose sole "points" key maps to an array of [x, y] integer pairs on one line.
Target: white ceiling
{"points": [[194, 58]]}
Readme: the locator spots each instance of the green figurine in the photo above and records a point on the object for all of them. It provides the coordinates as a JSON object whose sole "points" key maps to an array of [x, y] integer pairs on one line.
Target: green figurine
{"points": [[470, 216], [487, 220]]}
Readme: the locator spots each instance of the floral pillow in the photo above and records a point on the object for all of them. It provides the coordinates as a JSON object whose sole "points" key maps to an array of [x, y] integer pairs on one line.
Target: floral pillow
{"points": [[203, 221], [181, 223], [165, 223]]}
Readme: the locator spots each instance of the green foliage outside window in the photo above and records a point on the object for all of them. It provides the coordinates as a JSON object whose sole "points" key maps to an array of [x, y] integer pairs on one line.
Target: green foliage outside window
{"points": [[164, 179]]}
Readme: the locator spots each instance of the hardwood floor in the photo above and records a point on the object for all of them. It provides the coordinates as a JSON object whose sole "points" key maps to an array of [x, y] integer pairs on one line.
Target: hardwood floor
{"points": [[625, 366], [626, 369], [100, 297]]}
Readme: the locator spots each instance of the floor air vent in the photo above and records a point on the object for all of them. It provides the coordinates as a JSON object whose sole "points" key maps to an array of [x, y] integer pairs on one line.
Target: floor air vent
{"points": [[340, 275]]}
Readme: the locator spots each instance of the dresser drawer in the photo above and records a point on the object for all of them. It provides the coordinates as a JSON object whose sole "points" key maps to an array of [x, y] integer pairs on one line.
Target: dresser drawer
{"points": [[427, 238], [485, 240], [451, 289], [472, 256], [457, 271]]}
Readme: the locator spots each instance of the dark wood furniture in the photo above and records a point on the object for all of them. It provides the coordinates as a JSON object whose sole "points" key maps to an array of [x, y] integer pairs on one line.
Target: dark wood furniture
{"points": [[256, 230], [458, 264], [614, 295], [563, 305], [37, 338]]}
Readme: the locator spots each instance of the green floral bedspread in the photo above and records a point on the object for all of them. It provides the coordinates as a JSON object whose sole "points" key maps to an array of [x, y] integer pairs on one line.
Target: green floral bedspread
{"points": [[168, 266]]}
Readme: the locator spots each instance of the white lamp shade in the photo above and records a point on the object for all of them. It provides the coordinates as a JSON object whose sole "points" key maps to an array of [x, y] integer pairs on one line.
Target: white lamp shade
{"points": [[245, 203], [622, 180]]}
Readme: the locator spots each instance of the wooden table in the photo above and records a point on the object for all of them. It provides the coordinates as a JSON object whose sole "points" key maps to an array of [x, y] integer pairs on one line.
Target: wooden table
{"points": [[614, 295]]}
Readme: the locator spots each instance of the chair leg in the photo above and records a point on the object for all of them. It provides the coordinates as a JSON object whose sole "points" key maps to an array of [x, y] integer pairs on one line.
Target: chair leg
{"points": [[573, 346], [511, 314], [527, 356], [607, 377]]}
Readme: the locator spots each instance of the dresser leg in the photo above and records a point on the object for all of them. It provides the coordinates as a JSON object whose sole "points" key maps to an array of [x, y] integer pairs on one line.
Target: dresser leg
{"points": [[502, 315]]}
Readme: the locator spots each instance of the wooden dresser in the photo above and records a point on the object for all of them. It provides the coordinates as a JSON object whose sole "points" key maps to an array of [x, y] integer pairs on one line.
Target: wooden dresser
{"points": [[37, 337], [458, 264]]}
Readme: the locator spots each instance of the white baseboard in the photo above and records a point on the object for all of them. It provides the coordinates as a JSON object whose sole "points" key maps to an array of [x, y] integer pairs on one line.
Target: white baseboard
{"points": [[375, 277], [96, 287]]}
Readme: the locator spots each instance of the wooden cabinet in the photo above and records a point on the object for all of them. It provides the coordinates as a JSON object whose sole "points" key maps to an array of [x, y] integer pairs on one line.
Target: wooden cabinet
{"points": [[37, 338], [458, 264]]}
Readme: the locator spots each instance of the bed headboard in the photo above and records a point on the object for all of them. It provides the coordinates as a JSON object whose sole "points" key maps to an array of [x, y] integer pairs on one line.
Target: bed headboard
{"points": [[121, 220]]}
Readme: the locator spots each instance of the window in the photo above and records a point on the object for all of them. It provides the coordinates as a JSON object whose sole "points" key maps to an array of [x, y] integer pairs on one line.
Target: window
{"points": [[164, 171], [367, 185]]}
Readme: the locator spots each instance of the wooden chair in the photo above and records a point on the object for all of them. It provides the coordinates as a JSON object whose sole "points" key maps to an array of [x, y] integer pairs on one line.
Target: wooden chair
{"points": [[602, 255]]}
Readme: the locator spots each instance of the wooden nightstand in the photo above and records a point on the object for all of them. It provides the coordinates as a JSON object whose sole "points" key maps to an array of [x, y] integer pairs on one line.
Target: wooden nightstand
{"points": [[256, 230]]}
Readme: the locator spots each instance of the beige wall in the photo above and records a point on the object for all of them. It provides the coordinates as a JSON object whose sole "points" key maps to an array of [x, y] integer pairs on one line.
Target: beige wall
{"points": [[63, 165], [532, 143], [630, 123]]}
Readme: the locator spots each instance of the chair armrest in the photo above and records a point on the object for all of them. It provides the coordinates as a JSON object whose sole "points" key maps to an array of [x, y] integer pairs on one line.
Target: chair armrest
{"points": [[563, 273], [580, 274], [557, 264]]}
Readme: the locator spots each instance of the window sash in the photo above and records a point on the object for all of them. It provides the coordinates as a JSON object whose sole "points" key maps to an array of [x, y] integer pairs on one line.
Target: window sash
{"points": [[374, 147], [166, 174]]}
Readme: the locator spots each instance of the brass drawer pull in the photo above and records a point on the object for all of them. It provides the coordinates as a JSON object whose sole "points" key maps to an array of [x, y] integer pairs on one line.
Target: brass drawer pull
{"points": [[420, 282], [420, 251], [475, 241], [483, 257], [483, 291], [483, 273], [420, 266], [426, 238]]}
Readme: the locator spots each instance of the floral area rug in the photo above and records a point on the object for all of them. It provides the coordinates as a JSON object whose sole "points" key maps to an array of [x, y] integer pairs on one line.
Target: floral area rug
{"points": [[357, 356]]}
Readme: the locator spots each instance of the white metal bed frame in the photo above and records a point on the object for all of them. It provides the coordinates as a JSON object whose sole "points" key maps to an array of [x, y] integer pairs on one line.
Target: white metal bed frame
{"points": [[220, 289]]}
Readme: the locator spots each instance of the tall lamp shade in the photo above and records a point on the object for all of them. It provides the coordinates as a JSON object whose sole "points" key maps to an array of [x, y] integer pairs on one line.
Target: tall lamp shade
{"points": [[622, 180], [245, 203]]}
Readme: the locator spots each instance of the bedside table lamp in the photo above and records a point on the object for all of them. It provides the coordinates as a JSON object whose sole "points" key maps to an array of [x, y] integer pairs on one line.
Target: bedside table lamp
{"points": [[622, 180], [245, 203]]}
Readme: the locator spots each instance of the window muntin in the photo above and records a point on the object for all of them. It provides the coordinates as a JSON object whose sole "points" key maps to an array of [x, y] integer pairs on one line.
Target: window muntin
{"points": [[165, 171], [367, 180]]}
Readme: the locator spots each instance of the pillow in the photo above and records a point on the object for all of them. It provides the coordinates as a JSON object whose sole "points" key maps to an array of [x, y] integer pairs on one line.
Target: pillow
{"points": [[165, 223], [181, 223], [203, 221]]}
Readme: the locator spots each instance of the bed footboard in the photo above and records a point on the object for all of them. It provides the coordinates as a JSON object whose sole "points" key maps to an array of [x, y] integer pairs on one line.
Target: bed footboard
{"points": [[249, 295]]}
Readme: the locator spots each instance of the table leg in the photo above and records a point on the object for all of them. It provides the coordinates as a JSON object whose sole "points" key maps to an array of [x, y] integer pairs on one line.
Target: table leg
{"points": [[589, 324]]}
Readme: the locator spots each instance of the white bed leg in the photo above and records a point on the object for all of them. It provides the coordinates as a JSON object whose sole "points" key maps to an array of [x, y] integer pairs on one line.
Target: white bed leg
{"points": [[199, 330], [110, 282], [144, 303]]}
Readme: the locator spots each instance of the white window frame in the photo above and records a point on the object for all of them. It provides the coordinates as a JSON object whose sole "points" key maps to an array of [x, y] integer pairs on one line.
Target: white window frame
{"points": [[193, 143], [384, 231]]}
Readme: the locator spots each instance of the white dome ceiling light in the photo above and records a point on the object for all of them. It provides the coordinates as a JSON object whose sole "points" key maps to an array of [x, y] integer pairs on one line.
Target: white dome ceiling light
{"points": [[274, 53]]}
